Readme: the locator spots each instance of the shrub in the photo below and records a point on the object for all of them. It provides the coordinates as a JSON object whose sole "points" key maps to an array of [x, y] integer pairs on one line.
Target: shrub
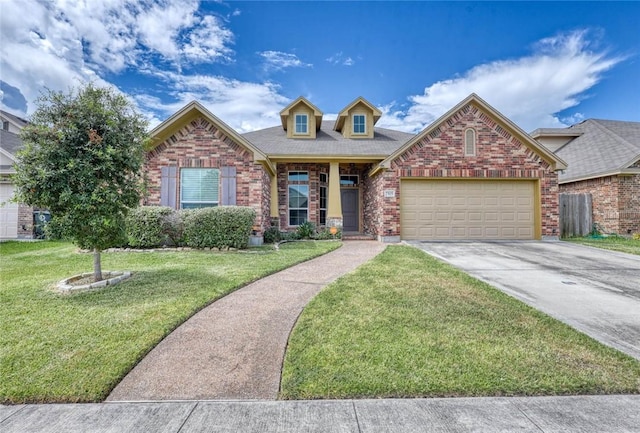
{"points": [[636, 237], [219, 227], [173, 227], [272, 235], [147, 226], [325, 234], [306, 230]]}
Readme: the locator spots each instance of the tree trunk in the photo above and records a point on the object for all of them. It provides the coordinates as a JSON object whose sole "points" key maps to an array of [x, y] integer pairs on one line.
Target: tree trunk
{"points": [[97, 266]]}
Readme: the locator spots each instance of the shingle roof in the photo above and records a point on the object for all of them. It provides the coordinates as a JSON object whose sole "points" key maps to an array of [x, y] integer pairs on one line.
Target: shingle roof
{"points": [[10, 142], [605, 146], [274, 142], [18, 121]]}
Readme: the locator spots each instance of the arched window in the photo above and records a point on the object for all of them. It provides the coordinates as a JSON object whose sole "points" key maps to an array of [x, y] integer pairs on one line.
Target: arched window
{"points": [[469, 142]]}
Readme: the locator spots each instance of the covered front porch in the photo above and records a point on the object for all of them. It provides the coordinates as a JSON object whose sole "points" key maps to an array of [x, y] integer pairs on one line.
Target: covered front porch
{"points": [[328, 194]]}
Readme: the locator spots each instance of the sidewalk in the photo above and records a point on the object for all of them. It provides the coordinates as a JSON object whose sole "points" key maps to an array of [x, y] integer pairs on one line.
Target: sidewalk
{"points": [[584, 414], [234, 348]]}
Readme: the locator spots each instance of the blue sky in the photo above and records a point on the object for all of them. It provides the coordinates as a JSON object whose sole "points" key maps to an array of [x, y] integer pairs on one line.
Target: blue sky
{"points": [[542, 64]]}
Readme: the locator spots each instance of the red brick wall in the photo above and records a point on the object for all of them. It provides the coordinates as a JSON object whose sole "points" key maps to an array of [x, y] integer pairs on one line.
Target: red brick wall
{"points": [[616, 201], [25, 221], [200, 144], [440, 154]]}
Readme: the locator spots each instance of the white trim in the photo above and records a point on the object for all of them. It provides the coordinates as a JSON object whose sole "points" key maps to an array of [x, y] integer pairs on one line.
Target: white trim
{"points": [[353, 124], [295, 123], [298, 183]]}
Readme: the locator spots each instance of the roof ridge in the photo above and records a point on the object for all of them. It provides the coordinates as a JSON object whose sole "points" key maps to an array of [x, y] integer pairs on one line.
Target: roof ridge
{"points": [[616, 136]]}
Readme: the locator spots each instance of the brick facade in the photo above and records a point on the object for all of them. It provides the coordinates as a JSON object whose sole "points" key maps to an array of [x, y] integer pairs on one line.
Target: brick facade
{"points": [[616, 201], [199, 144], [440, 154]]}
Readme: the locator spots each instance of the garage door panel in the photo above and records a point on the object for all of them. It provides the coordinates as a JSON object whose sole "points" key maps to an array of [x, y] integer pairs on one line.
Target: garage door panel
{"points": [[467, 209]]}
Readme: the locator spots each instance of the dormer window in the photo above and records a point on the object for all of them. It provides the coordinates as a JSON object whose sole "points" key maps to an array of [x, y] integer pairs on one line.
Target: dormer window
{"points": [[301, 124], [359, 124]]}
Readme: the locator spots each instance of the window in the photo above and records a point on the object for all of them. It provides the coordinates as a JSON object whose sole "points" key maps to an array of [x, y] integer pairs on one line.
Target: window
{"points": [[199, 187], [349, 180], [323, 199], [302, 124], [359, 123], [298, 197], [469, 142], [5, 125]]}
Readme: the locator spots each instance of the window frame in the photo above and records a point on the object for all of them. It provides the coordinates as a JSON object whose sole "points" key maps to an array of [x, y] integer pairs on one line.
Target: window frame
{"points": [[473, 144], [294, 180], [350, 185], [364, 124], [295, 123], [323, 195], [201, 203]]}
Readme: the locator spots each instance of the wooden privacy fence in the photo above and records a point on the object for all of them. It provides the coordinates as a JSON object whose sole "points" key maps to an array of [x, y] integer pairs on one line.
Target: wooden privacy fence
{"points": [[575, 215]]}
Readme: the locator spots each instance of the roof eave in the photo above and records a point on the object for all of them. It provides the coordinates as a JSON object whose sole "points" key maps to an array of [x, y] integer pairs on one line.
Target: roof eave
{"points": [[163, 131], [619, 172], [556, 162]]}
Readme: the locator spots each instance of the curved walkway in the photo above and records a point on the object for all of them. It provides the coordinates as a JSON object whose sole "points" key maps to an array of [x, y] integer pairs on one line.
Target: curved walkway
{"points": [[234, 348]]}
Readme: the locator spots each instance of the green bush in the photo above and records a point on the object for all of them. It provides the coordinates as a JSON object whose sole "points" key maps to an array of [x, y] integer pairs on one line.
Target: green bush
{"points": [[219, 227], [272, 235], [306, 230], [147, 226]]}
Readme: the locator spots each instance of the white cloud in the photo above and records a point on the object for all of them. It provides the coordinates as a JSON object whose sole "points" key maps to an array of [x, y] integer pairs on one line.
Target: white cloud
{"points": [[339, 59], [58, 44], [245, 106], [529, 90], [277, 60]]}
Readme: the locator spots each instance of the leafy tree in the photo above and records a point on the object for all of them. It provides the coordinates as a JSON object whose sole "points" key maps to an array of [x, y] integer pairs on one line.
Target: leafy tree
{"points": [[82, 160]]}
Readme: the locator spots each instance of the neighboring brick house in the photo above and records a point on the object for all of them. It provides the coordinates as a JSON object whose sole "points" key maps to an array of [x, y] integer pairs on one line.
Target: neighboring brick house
{"points": [[472, 174], [16, 220], [603, 159]]}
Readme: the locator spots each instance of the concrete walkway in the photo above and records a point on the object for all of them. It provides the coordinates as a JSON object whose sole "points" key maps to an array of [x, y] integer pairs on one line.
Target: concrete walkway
{"points": [[234, 348], [584, 414]]}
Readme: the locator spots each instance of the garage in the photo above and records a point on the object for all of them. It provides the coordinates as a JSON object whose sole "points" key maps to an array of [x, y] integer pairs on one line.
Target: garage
{"points": [[8, 213], [467, 209]]}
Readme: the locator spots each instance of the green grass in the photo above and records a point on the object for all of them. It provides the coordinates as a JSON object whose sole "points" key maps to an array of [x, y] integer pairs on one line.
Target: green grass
{"points": [[76, 348], [408, 325], [615, 243]]}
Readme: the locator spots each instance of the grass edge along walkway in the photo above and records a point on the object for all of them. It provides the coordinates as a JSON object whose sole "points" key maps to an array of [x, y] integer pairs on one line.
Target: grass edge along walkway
{"points": [[76, 348], [408, 325], [613, 243]]}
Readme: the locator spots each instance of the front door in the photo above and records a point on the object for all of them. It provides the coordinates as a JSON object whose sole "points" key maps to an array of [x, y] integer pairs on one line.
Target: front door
{"points": [[350, 210]]}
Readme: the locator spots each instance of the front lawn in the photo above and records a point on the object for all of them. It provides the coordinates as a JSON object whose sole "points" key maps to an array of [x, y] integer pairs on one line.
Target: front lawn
{"points": [[615, 243], [408, 325], [76, 348]]}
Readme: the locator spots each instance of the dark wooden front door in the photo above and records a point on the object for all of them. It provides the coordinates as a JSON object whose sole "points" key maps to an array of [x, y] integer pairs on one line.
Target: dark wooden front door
{"points": [[350, 210]]}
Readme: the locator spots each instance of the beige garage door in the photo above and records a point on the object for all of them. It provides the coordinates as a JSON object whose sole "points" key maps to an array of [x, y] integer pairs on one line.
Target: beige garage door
{"points": [[8, 213], [467, 209]]}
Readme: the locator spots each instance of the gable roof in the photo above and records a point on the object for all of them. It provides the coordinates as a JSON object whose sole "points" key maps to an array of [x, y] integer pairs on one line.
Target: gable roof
{"points": [[328, 143], [345, 112], [194, 109], [18, 122], [543, 152], [10, 143], [602, 148], [286, 111]]}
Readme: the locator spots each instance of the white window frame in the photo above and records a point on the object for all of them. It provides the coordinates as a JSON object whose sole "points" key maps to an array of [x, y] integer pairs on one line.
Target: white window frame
{"points": [[353, 124], [472, 151], [202, 203], [295, 124], [291, 183]]}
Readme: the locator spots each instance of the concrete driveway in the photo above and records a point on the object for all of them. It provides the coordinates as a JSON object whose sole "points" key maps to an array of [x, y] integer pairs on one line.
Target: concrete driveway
{"points": [[593, 290]]}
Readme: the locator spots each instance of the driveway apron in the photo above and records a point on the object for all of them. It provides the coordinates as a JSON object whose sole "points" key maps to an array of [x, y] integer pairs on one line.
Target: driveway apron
{"points": [[596, 291], [234, 348]]}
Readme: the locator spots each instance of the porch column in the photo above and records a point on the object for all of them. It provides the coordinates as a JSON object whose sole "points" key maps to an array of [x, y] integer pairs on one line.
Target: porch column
{"points": [[334, 205], [274, 194]]}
